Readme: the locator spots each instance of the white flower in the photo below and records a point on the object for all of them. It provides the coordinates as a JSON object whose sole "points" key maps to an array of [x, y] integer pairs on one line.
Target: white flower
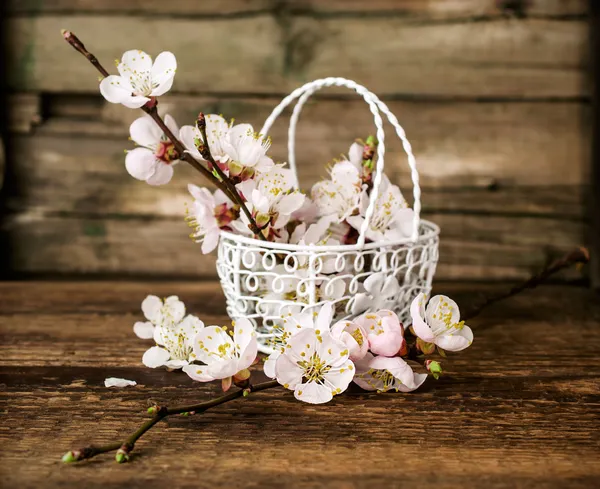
{"points": [[117, 382], [387, 373], [175, 344], [153, 161], [217, 130], [440, 323], [354, 336], [212, 212], [391, 220], [247, 149], [315, 366], [381, 293], [158, 313], [224, 354], [340, 196], [270, 199], [139, 79], [290, 325]]}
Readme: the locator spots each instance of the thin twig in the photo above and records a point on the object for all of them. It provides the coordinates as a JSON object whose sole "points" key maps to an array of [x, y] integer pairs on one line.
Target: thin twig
{"points": [[160, 413], [577, 256], [150, 108]]}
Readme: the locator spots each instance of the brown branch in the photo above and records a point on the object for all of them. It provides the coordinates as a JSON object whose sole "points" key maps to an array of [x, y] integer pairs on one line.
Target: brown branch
{"points": [[577, 256], [225, 185], [160, 413]]}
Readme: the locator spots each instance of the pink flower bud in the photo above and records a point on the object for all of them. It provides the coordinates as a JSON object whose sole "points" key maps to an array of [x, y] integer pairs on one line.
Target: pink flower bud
{"points": [[384, 332]]}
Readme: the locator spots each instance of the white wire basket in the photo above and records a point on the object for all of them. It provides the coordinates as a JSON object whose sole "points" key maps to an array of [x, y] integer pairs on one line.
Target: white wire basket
{"points": [[263, 280]]}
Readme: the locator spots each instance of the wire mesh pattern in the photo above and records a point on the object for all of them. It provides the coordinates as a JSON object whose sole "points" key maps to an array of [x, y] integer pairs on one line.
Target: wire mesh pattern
{"points": [[264, 281]]}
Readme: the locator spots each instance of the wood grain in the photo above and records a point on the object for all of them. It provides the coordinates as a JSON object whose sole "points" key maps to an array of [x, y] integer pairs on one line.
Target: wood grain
{"points": [[518, 409], [533, 58], [419, 9], [24, 111], [457, 144]]}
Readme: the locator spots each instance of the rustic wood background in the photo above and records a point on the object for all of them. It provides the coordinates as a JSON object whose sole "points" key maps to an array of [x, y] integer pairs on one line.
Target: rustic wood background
{"points": [[494, 96]]}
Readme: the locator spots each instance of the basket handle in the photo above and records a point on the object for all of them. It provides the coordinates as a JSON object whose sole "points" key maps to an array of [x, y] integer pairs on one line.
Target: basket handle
{"points": [[375, 105]]}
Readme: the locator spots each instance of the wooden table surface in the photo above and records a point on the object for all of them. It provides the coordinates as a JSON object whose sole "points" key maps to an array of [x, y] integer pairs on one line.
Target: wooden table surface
{"points": [[520, 408]]}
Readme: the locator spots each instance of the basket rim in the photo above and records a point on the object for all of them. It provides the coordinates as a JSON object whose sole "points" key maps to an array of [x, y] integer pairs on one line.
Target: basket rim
{"points": [[427, 230]]}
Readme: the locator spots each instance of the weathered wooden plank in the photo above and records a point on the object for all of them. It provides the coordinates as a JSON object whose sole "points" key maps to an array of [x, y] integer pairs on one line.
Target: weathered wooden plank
{"points": [[473, 247], [24, 112], [529, 58], [252, 60], [456, 144], [419, 9], [142, 7], [445, 9], [123, 297], [525, 58], [519, 407], [87, 176]]}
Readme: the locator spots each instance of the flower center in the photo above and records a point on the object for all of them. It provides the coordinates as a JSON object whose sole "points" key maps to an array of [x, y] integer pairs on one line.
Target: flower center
{"points": [[358, 336], [166, 152], [178, 346], [444, 314], [314, 368], [382, 380]]}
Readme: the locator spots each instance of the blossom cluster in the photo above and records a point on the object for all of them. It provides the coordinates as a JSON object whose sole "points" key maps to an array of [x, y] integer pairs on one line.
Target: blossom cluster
{"points": [[336, 205], [312, 356]]}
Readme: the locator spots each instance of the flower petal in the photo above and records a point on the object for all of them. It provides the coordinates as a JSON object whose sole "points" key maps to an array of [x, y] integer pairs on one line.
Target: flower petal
{"points": [[338, 379], [145, 132], [144, 330], [374, 283], [211, 240], [302, 344], [417, 313], [223, 369], [171, 124], [141, 163], [116, 89], [198, 373], [134, 61], [456, 341], [325, 316], [162, 174], [163, 72], [290, 203], [269, 365], [313, 393], [117, 382], [176, 364], [176, 308], [151, 307], [417, 382], [188, 136], [155, 357], [355, 154], [245, 341], [331, 350], [287, 371], [213, 344]]}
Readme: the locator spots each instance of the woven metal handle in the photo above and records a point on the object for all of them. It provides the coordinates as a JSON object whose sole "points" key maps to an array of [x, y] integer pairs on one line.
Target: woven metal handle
{"points": [[375, 105]]}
